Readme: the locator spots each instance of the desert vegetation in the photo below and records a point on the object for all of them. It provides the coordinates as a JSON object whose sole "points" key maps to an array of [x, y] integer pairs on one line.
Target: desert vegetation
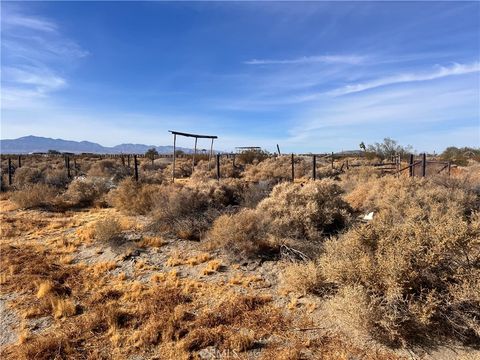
{"points": [[253, 265]]}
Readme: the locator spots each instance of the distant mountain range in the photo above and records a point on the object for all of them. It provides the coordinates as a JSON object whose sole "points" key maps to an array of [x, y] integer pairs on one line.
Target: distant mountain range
{"points": [[31, 144]]}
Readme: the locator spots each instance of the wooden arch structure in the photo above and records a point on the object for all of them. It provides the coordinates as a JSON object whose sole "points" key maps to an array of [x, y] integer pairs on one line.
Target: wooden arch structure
{"points": [[196, 136]]}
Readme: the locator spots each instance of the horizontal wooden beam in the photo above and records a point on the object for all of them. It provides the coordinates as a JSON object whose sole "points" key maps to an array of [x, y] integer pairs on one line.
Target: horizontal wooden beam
{"points": [[194, 135]]}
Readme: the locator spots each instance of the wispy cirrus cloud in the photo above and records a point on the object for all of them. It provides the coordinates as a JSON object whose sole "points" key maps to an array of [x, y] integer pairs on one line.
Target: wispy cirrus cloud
{"points": [[34, 23], [327, 59], [437, 73], [36, 55]]}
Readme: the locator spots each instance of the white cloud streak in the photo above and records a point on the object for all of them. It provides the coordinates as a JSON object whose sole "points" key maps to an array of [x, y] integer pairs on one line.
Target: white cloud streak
{"points": [[35, 53], [439, 72], [327, 59]]}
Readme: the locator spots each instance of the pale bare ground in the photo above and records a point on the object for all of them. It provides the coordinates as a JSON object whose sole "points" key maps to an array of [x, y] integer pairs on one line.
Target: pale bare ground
{"points": [[138, 261]]}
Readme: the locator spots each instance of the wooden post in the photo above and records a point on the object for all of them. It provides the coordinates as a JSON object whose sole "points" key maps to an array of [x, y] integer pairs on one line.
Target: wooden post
{"points": [[346, 163], [68, 166], [449, 166], [278, 149], [123, 161], [210, 155], [19, 161], [293, 168], [75, 165], [332, 161], [194, 153], [135, 167], [424, 164], [128, 161], [10, 171], [174, 144], [218, 166], [411, 168], [314, 167]]}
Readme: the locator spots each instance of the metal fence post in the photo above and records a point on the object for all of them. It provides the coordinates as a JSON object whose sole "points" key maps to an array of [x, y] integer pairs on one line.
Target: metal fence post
{"points": [[410, 163], [424, 164], [314, 167], [10, 171], [136, 167]]}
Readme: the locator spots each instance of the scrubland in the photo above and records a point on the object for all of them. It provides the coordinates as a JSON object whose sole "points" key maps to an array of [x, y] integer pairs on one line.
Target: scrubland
{"points": [[251, 266]]}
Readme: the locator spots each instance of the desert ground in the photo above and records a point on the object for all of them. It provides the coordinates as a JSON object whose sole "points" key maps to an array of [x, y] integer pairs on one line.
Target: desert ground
{"points": [[251, 266]]}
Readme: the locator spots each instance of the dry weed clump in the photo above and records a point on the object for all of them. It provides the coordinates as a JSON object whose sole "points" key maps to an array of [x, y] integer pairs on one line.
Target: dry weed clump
{"points": [[277, 169], [108, 230], [302, 278], [415, 267], [35, 196], [292, 213], [108, 169], [242, 234], [305, 211], [26, 176], [132, 197], [188, 211], [84, 192]]}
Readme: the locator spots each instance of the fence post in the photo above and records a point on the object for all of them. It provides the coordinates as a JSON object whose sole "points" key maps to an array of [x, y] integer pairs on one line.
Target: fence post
{"points": [[346, 163], [75, 165], [332, 160], [314, 167], [123, 161], [449, 166], [136, 167], [424, 164], [293, 168], [128, 160], [19, 161], [218, 166], [68, 166], [9, 171], [410, 163], [233, 160]]}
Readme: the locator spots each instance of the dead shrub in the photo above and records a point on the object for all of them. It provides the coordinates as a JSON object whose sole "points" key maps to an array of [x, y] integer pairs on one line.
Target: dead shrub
{"points": [[109, 169], [35, 196], [415, 261], [302, 277], [277, 169], [242, 235], [108, 230], [25, 176], [56, 177], [132, 197], [86, 192], [188, 211], [305, 211]]}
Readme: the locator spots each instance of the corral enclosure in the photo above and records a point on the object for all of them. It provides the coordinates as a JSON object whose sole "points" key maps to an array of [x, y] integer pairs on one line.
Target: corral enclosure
{"points": [[108, 257]]}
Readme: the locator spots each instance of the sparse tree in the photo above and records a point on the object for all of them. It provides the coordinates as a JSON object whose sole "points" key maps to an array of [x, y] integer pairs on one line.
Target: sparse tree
{"points": [[151, 153], [389, 148], [362, 146]]}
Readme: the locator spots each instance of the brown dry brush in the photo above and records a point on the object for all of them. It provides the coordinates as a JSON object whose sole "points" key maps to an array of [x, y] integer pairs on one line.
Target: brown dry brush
{"points": [[414, 270], [295, 214]]}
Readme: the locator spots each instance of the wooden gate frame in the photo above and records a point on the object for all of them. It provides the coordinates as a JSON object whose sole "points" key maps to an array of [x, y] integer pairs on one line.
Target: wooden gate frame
{"points": [[196, 136]]}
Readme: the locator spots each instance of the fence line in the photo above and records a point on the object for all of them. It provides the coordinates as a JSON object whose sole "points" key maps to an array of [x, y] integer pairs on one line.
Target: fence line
{"points": [[390, 167]]}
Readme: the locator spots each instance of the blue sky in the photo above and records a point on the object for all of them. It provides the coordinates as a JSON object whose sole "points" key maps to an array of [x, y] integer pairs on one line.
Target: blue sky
{"points": [[312, 77]]}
